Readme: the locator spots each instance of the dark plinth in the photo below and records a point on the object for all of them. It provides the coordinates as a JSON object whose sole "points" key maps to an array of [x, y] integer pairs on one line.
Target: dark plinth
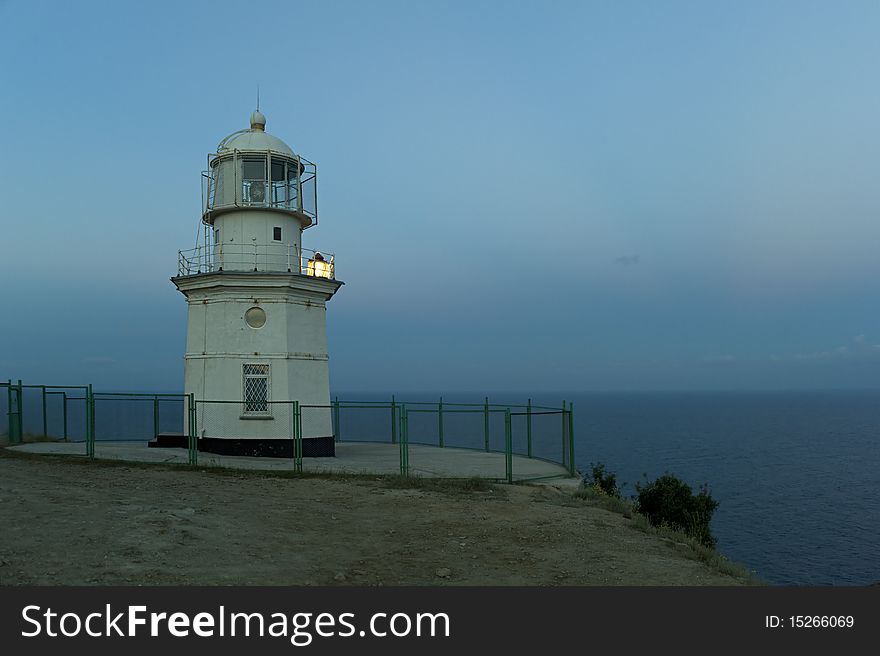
{"points": [[312, 447], [169, 441]]}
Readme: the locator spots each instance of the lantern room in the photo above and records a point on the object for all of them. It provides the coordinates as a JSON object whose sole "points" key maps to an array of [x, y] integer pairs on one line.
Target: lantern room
{"points": [[255, 170]]}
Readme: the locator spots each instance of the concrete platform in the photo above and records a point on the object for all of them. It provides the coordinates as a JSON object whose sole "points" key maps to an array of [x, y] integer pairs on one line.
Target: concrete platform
{"points": [[351, 458]]}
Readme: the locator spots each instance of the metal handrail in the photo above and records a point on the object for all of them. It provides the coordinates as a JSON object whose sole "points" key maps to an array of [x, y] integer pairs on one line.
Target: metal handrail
{"points": [[256, 257]]}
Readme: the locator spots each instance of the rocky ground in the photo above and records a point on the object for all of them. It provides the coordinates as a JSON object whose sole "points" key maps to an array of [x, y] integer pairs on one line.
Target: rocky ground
{"points": [[70, 521]]}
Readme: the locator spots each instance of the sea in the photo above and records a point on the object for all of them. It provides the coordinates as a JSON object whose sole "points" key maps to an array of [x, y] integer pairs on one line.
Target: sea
{"points": [[796, 474]]}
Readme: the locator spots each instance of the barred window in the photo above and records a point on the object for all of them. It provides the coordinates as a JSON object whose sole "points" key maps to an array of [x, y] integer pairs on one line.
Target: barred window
{"points": [[256, 389]]}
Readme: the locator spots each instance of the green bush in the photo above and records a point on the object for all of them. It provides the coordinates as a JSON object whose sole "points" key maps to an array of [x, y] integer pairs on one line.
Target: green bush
{"points": [[602, 481], [669, 501]]}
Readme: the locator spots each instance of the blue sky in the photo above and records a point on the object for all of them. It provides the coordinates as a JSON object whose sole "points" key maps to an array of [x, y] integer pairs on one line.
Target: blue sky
{"points": [[571, 196]]}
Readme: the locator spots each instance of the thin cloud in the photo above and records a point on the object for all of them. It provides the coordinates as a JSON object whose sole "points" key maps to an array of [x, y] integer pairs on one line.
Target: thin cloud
{"points": [[628, 260], [860, 347]]}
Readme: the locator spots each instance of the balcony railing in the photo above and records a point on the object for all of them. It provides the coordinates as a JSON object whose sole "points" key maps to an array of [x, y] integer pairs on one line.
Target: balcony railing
{"points": [[256, 257]]}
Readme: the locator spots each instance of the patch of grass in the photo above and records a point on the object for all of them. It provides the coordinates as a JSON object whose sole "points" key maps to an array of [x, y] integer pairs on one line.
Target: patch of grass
{"points": [[32, 437], [598, 498], [689, 545], [694, 548], [448, 485], [29, 438], [82, 461]]}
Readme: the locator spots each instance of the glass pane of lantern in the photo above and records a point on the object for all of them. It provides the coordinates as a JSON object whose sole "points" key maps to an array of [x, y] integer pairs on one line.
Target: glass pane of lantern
{"points": [[279, 183], [223, 188], [254, 169], [277, 170]]}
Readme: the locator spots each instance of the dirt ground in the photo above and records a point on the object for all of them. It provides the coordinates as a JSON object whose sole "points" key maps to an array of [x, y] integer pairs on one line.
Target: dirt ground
{"points": [[71, 522]]}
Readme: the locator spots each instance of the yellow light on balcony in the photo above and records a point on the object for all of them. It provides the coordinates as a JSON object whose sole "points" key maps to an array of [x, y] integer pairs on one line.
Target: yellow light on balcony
{"points": [[319, 267]]}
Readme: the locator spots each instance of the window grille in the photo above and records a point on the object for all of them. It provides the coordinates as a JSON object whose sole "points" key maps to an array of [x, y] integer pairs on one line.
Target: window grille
{"points": [[256, 389]]}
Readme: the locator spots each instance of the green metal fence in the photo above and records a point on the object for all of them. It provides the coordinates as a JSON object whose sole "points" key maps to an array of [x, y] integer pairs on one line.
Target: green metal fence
{"points": [[12, 410], [274, 421], [137, 417], [54, 412], [78, 414], [516, 432], [529, 431]]}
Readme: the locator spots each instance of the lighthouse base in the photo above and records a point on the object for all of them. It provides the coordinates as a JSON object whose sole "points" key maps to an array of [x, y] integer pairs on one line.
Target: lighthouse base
{"points": [[312, 447]]}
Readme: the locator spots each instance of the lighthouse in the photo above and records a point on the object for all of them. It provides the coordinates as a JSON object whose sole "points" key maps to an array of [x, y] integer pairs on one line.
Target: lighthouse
{"points": [[256, 325]]}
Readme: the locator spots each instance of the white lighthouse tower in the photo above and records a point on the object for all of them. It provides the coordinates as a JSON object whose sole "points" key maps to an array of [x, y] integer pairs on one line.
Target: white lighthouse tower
{"points": [[256, 333]]}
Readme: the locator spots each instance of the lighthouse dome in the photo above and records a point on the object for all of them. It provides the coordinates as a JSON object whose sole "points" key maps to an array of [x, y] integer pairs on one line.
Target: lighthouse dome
{"points": [[256, 138]]}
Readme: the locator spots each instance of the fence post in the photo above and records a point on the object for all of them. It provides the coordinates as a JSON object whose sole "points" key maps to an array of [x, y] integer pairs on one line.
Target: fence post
{"points": [[571, 468], [404, 443], [297, 437], [188, 405], [401, 441], [564, 445], [155, 417], [508, 447], [393, 420], [9, 414], [193, 437], [64, 412], [20, 421], [90, 411], [195, 428], [14, 418], [45, 422], [440, 420], [187, 424], [529, 428], [336, 418], [195, 423], [486, 423], [87, 395], [94, 421], [292, 430]]}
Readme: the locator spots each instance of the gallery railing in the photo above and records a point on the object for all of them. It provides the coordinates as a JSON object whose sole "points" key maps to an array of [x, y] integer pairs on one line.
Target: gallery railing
{"points": [[228, 256]]}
